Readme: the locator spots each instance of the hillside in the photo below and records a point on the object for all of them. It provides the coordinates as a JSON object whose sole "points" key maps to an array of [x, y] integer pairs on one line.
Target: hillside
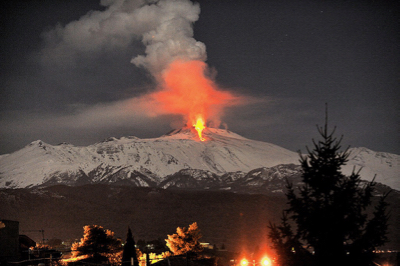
{"points": [[237, 220], [153, 162], [142, 161]]}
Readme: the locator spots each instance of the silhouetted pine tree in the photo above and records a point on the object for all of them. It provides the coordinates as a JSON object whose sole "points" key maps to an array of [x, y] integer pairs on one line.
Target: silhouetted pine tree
{"points": [[329, 211], [129, 250], [287, 244]]}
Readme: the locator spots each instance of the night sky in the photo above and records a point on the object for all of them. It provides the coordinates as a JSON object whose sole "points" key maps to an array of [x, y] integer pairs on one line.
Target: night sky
{"points": [[288, 58]]}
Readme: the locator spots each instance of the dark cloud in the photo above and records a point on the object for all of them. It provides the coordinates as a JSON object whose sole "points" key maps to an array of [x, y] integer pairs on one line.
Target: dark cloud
{"points": [[62, 85]]}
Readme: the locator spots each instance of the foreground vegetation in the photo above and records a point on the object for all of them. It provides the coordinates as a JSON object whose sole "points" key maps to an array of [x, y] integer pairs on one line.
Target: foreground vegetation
{"points": [[332, 226], [99, 245]]}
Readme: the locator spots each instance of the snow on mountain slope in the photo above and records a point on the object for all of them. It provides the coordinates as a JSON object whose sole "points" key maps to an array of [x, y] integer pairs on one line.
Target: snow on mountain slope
{"points": [[223, 151], [385, 166], [36, 161], [148, 162]]}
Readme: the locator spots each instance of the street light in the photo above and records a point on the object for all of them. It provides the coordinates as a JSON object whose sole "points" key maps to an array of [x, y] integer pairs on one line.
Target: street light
{"points": [[265, 261], [244, 262]]}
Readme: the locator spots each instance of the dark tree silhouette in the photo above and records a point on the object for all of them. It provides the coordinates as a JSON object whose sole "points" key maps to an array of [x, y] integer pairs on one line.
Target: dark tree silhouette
{"points": [[287, 244], [129, 250], [329, 212]]}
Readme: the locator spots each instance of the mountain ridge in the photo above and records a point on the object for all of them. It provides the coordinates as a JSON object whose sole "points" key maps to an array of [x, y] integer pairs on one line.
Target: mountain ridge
{"points": [[151, 161]]}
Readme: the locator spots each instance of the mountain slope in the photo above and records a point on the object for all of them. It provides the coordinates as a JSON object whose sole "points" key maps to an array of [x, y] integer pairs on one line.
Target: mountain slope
{"points": [[153, 159], [236, 220], [177, 159], [385, 166]]}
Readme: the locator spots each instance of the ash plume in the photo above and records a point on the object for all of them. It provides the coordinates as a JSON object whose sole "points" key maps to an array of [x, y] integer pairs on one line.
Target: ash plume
{"points": [[165, 28], [172, 38], [177, 62]]}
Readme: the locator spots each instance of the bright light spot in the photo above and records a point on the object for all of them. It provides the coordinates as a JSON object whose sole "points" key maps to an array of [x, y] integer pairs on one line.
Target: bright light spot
{"points": [[73, 259], [265, 261], [199, 126], [244, 262]]}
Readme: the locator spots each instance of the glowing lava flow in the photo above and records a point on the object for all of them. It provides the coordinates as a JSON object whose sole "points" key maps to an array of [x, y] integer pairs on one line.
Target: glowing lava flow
{"points": [[199, 126], [186, 89]]}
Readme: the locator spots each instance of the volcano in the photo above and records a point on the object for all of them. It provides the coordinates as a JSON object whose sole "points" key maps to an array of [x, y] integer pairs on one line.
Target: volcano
{"points": [[224, 155], [227, 183]]}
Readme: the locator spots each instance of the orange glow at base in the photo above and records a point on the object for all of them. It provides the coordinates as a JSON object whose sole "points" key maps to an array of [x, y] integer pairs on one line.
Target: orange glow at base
{"points": [[244, 262], [73, 259], [186, 89], [199, 126]]}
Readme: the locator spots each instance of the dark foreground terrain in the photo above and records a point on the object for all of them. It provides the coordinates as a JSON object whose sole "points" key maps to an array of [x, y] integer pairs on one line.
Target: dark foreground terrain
{"points": [[237, 221]]}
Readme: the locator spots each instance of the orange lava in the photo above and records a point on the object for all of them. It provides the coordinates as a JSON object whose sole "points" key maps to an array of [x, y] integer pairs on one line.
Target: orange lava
{"points": [[186, 90], [199, 126]]}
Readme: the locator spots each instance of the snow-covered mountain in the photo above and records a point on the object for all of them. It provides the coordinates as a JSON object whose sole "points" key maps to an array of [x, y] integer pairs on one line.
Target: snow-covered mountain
{"points": [[261, 180], [224, 159], [386, 166], [139, 161]]}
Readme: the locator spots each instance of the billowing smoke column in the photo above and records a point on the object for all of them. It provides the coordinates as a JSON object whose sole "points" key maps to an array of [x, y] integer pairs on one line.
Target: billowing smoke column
{"points": [[177, 61], [173, 57], [172, 36]]}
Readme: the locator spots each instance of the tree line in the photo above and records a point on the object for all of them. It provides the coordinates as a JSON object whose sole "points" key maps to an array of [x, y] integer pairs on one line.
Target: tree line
{"points": [[99, 245]]}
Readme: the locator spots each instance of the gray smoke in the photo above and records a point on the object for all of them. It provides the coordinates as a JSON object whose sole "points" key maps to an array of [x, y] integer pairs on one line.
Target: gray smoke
{"points": [[165, 27]]}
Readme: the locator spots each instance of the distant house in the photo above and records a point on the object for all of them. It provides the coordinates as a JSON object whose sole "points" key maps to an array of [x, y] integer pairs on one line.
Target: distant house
{"points": [[9, 241], [181, 261], [207, 245], [24, 244], [12, 244]]}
